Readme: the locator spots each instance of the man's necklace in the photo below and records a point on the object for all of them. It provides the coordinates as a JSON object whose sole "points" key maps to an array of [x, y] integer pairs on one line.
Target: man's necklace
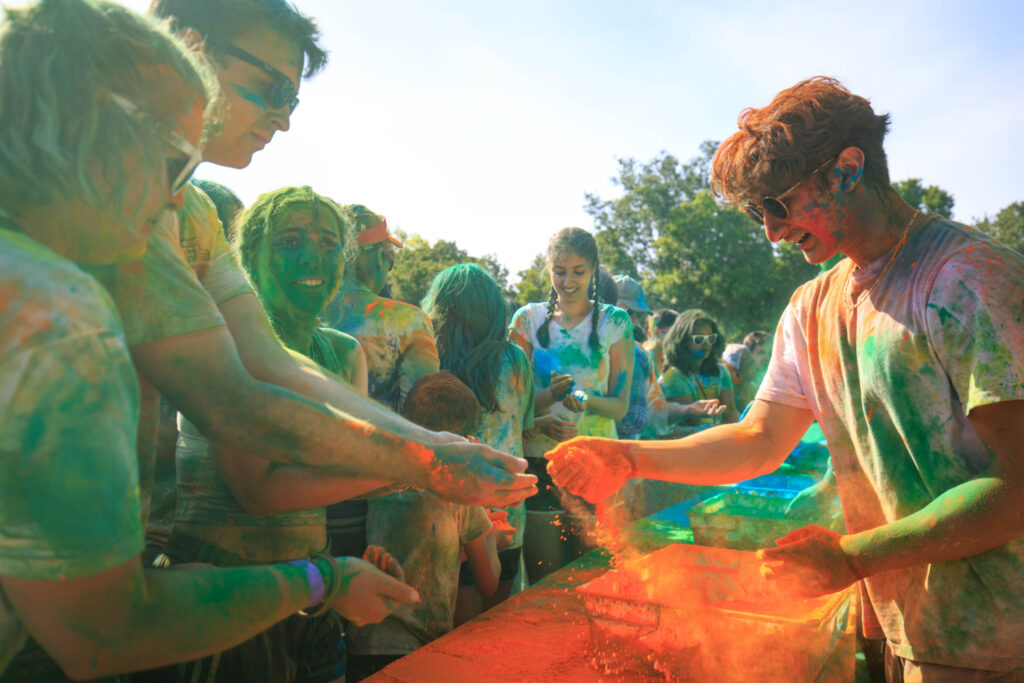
{"points": [[892, 259]]}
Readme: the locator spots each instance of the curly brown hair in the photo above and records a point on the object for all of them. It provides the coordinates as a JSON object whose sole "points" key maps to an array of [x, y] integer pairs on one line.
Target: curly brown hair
{"points": [[805, 125]]}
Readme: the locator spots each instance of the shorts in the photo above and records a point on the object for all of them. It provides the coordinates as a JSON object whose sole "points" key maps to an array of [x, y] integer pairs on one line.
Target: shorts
{"points": [[509, 560]]}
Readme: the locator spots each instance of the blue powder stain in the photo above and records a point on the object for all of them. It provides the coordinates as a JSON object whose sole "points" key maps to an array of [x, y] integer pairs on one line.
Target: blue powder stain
{"points": [[250, 95]]}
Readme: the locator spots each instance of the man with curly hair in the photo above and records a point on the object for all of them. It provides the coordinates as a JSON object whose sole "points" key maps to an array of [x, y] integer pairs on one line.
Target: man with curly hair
{"points": [[909, 355]]}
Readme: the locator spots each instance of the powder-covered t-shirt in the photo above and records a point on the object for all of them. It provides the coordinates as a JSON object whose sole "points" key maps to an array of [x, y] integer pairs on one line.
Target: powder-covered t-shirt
{"points": [[502, 429], [569, 352], [698, 386], [397, 339], [425, 534], [891, 382], [186, 272], [69, 500]]}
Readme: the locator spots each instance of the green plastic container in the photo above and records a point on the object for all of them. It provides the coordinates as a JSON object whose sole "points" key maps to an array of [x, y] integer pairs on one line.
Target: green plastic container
{"points": [[742, 521]]}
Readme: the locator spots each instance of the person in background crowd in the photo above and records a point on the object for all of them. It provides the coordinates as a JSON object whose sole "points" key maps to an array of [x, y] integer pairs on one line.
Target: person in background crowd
{"points": [[649, 413], [693, 371], [70, 522], [396, 336], [657, 326], [396, 339], [907, 354], [582, 353], [746, 364], [428, 537], [470, 323]]}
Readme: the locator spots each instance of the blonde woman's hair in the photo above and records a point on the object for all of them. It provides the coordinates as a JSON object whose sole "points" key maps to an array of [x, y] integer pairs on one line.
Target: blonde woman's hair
{"points": [[60, 129]]}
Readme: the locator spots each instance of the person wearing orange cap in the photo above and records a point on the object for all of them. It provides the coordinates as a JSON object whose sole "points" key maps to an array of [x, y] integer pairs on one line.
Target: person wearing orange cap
{"points": [[396, 337]]}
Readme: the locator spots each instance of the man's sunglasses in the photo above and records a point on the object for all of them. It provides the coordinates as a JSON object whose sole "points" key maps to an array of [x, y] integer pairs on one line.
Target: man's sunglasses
{"points": [[702, 339], [281, 93], [774, 206], [179, 169]]}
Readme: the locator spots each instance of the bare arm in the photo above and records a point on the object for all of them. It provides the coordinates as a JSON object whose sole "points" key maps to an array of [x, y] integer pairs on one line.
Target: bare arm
{"points": [[595, 468], [482, 555], [126, 618], [978, 515], [262, 487], [202, 374]]}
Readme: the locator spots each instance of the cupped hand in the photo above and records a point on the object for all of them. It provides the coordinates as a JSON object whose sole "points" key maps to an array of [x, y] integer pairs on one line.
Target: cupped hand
{"points": [[368, 594], [809, 562], [591, 467], [476, 474], [708, 407], [555, 427]]}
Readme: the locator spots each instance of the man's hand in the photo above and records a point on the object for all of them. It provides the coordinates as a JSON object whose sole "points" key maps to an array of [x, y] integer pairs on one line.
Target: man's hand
{"points": [[368, 594], [475, 474], [555, 427], [809, 562], [591, 467]]}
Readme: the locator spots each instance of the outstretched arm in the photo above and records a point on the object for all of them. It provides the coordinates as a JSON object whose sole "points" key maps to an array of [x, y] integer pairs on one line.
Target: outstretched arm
{"points": [[230, 406], [126, 618], [595, 468]]}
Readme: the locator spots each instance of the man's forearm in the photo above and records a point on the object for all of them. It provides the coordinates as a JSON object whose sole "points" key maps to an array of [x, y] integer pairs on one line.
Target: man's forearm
{"points": [[284, 427], [727, 453], [966, 520]]}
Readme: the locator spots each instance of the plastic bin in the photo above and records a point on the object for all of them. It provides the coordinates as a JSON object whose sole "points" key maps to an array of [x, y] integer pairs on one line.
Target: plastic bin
{"points": [[742, 521], [693, 613]]}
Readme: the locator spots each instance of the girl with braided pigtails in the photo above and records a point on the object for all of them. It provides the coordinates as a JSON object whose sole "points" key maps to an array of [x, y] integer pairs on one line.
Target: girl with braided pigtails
{"points": [[582, 354]]}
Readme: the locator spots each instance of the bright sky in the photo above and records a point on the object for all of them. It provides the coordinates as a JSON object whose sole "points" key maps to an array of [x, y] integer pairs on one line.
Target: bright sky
{"points": [[485, 122]]}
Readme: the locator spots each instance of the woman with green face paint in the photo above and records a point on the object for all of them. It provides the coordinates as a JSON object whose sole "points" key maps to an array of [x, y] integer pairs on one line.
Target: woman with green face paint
{"points": [[235, 508]]}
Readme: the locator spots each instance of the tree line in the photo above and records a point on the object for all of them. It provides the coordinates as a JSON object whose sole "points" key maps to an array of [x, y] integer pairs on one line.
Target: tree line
{"points": [[687, 250]]}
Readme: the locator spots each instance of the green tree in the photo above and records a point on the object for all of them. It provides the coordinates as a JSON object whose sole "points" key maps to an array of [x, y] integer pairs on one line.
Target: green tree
{"points": [[691, 252], [932, 199], [418, 263], [1007, 226], [534, 282], [627, 227]]}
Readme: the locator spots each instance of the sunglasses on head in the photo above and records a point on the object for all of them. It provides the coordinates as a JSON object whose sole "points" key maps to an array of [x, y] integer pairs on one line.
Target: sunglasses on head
{"points": [[702, 339], [774, 206], [179, 169], [282, 92]]}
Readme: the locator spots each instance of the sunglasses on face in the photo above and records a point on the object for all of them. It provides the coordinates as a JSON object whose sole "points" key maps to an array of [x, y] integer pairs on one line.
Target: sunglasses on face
{"points": [[179, 169], [282, 92], [702, 339], [774, 206]]}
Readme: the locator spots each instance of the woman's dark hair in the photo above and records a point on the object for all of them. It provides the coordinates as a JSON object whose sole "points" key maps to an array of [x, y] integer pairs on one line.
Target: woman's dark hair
{"points": [[582, 243], [227, 202], [677, 346], [664, 317], [470, 319], [440, 402]]}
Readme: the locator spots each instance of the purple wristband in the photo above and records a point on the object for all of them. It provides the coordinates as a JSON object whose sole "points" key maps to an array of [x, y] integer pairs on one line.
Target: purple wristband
{"points": [[315, 579]]}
